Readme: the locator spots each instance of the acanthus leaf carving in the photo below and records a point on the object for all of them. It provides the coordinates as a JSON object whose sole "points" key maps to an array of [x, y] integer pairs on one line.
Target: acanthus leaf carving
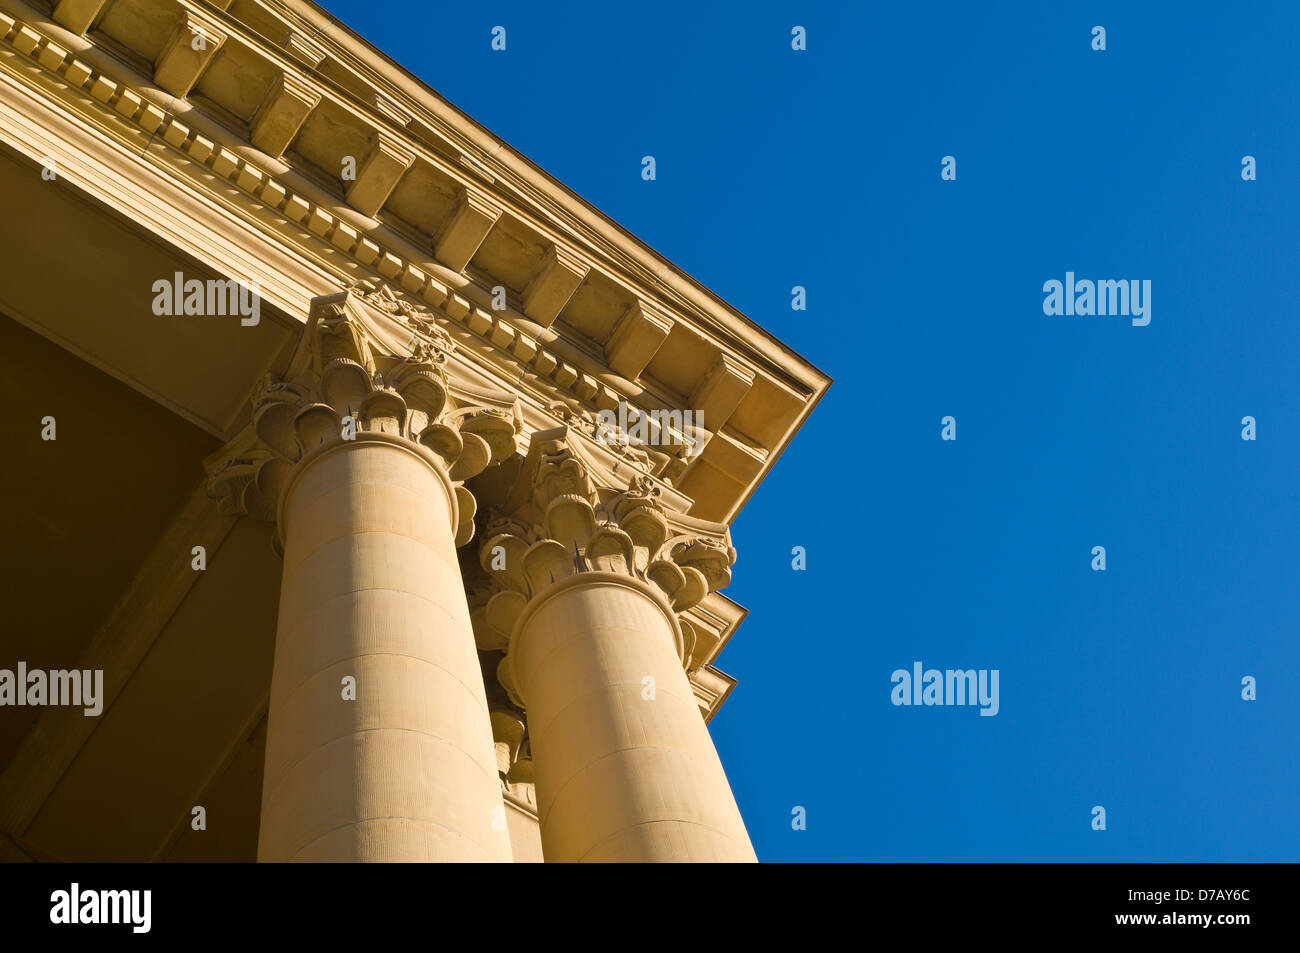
{"points": [[561, 520], [639, 455], [341, 376]]}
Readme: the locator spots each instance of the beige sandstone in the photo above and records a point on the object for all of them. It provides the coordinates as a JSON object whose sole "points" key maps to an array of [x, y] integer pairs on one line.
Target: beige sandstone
{"points": [[393, 484]]}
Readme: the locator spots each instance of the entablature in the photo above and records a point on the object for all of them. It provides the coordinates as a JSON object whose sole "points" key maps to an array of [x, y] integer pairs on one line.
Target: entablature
{"points": [[277, 100]]}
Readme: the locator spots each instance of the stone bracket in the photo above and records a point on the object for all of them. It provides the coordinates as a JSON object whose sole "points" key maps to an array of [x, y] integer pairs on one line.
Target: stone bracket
{"points": [[548, 293], [282, 114], [378, 175], [304, 50], [187, 54], [78, 15], [721, 392], [468, 228], [636, 340]]}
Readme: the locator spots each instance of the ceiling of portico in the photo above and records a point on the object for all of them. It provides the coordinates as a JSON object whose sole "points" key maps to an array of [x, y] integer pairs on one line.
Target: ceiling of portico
{"points": [[98, 527], [81, 511]]}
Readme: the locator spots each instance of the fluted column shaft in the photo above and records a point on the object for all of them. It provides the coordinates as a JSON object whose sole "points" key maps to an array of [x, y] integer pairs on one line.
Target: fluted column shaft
{"points": [[625, 767], [372, 589]]}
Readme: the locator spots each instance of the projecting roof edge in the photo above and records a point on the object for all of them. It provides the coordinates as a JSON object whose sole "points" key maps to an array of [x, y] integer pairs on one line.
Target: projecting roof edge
{"points": [[559, 201]]}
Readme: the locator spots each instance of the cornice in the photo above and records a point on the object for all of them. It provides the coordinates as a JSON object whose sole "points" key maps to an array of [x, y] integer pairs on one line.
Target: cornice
{"points": [[258, 188], [317, 61], [485, 152]]}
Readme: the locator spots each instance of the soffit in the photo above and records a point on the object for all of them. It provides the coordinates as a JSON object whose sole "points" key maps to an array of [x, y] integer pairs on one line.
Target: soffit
{"points": [[82, 510]]}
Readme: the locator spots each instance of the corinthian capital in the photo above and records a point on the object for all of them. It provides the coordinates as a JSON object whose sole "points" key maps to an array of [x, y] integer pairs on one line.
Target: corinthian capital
{"points": [[349, 376], [564, 518]]}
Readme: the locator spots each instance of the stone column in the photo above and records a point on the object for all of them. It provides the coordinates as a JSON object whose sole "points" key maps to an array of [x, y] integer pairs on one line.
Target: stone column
{"points": [[625, 767], [372, 592], [379, 744], [591, 586]]}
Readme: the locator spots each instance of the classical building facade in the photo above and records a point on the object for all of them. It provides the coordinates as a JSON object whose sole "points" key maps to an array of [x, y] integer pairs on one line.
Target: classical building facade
{"points": [[385, 481]]}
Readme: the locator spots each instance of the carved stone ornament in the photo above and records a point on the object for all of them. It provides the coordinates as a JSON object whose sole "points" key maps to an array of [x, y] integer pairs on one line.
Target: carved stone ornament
{"points": [[344, 377], [653, 460], [561, 521]]}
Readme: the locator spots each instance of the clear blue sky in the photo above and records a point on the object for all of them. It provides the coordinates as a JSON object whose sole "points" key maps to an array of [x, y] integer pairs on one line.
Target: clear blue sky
{"points": [[822, 168]]}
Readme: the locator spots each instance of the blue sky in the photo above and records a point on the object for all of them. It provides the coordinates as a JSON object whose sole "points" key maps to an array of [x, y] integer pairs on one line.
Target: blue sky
{"points": [[925, 298]]}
